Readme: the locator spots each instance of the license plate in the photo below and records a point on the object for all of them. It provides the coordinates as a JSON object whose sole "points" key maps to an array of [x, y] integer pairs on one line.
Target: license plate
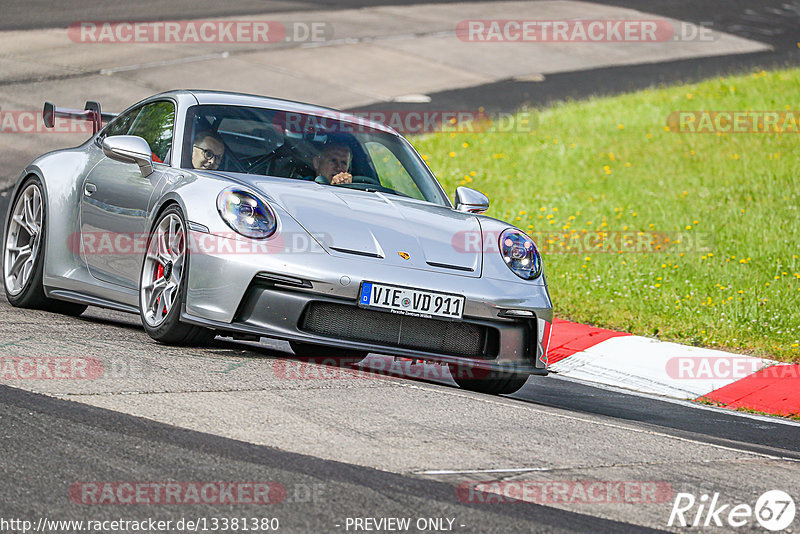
{"points": [[409, 301]]}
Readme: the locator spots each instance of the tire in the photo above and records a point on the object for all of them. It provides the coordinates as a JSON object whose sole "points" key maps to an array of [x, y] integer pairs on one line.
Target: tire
{"points": [[483, 381], [162, 292], [25, 230], [318, 353]]}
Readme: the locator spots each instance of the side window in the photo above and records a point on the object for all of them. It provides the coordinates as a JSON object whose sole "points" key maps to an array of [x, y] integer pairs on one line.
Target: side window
{"points": [[391, 172], [155, 124], [121, 124]]}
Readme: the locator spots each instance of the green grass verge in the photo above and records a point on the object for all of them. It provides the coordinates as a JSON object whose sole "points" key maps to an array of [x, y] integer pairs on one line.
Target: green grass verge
{"points": [[606, 169]]}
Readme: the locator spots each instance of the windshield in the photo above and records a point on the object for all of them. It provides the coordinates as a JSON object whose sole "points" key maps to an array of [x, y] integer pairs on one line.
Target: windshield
{"points": [[300, 146]]}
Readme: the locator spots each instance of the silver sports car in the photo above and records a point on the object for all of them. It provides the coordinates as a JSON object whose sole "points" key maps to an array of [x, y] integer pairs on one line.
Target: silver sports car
{"points": [[211, 213]]}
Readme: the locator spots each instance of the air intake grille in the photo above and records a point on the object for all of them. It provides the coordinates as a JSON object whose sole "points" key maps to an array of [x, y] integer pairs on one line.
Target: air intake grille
{"points": [[358, 324]]}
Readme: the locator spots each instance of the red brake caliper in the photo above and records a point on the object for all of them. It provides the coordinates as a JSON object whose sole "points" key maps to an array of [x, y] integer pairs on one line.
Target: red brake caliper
{"points": [[158, 274], [162, 274]]}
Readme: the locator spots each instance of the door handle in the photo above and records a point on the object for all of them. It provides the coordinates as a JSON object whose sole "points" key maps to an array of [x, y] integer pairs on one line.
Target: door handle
{"points": [[89, 189]]}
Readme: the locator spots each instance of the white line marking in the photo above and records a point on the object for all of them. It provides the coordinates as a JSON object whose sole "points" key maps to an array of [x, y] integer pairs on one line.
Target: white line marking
{"points": [[473, 471]]}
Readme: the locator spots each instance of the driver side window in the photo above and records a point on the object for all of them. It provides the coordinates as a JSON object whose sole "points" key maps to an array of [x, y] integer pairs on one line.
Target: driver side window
{"points": [[155, 124], [121, 124]]}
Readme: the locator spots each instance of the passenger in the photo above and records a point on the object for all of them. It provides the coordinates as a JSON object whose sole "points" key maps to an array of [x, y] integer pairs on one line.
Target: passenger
{"points": [[207, 151]]}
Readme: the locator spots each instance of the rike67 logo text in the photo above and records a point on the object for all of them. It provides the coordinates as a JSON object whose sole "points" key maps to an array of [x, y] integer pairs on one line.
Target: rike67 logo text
{"points": [[774, 511]]}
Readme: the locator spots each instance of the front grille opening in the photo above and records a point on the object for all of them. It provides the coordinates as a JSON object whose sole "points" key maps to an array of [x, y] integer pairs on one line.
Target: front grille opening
{"points": [[441, 337]]}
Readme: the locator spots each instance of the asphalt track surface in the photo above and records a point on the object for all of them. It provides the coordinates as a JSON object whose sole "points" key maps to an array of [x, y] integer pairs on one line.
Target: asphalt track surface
{"points": [[47, 441], [87, 438]]}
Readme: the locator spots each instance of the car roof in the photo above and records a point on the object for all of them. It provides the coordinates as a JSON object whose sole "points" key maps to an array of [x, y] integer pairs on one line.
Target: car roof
{"points": [[280, 104]]}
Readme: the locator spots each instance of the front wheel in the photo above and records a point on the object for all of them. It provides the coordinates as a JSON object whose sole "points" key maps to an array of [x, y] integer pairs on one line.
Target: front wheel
{"points": [[483, 381], [162, 285]]}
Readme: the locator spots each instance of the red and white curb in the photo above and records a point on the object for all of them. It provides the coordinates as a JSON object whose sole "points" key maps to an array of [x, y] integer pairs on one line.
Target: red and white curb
{"points": [[650, 366]]}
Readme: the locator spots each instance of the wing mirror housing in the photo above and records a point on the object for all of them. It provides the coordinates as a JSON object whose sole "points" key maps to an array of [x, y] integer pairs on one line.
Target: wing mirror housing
{"points": [[471, 201], [130, 149]]}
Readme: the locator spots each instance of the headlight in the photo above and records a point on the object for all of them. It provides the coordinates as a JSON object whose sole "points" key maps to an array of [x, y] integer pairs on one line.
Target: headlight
{"points": [[520, 254], [246, 213]]}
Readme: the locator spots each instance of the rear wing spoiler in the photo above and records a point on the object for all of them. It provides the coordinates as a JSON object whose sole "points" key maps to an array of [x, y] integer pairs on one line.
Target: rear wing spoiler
{"points": [[91, 112]]}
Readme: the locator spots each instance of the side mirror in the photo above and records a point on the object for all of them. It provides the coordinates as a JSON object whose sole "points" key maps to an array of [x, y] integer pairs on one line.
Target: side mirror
{"points": [[130, 149], [471, 201]]}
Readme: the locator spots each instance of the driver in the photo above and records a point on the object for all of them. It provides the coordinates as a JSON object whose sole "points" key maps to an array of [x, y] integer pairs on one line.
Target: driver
{"points": [[332, 163], [207, 151]]}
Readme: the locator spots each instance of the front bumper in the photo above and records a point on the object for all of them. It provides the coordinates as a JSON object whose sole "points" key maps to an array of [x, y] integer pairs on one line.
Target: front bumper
{"points": [[277, 295]]}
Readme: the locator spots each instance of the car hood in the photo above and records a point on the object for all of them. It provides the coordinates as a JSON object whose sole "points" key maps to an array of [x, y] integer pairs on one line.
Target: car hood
{"points": [[384, 227]]}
